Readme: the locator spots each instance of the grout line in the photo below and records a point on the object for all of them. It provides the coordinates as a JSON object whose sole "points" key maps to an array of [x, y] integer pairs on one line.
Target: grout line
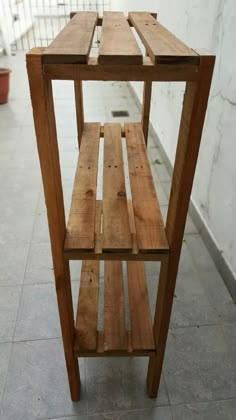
{"points": [[202, 402], [198, 326]]}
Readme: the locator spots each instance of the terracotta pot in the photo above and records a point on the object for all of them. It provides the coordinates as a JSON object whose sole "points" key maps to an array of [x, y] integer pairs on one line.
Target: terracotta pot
{"points": [[4, 85]]}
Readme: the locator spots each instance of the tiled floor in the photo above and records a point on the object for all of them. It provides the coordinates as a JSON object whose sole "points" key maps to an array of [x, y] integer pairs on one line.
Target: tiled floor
{"points": [[199, 377]]}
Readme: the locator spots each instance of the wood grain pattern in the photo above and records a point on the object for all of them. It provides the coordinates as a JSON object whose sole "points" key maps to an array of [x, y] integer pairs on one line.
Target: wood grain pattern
{"points": [[45, 129], [140, 316], [148, 220], [100, 352], [95, 71], [81, 224], [87, 310], [191, 125], [78, 88], [162, 46], [114, 309], [118, 45], [100, 18], [116, 230], [147, 94], [73, 43]]}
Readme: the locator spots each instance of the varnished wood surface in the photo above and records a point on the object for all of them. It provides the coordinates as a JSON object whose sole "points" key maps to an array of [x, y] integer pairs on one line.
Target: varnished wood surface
{"points": [[115, 338], [114, 307], [87, 309], [118, 44], [116, 230], [81, 224], [161, 45], [147, 215], [115, 239], [73, 43], [140, 315]]}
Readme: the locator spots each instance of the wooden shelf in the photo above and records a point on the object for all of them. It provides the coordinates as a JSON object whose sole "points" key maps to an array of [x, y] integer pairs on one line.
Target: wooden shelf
{"points": [[114, 227], [120, 222], [115, 339]]}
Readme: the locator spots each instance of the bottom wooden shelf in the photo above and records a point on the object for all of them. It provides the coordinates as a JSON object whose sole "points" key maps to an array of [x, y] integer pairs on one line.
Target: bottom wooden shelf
{"points": [[114, 339]]}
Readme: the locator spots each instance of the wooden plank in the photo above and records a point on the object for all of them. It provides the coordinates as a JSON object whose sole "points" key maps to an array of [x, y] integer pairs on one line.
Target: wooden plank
{"points": [[140, 316], [116, 230], [162, 46], [87, 310], [73, 43], [148, 220], [118, 45], [147, 71], [114, 309], [81, 225]]}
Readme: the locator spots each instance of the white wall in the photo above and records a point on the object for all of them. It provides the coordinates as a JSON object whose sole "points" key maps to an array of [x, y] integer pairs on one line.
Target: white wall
{"points": [[212, 25]]}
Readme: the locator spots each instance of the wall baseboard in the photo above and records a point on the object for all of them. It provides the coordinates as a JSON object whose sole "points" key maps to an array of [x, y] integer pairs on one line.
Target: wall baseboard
{"points": [[213, 249]]}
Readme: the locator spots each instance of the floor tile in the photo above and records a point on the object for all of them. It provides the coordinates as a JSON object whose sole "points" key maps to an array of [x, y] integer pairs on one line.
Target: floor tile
{"points": [[9, 303], [11, 132], [37, 386], [13, 112], [38, 314], [13, 258], [219, 410], [200, 364], [7, 145], [115, 384], [201, 298], [5, 351], [155, 413], [18, 179], [40, 227], [218, 295], [190, 227], [186, 263], [39, 268], [17, 213], [200, 254], [75, 270]]}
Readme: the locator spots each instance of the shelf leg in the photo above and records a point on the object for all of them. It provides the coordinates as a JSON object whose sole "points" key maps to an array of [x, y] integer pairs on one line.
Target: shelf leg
{"points": [[78, 87], [45, 128], [147, 93], [191, 126]]}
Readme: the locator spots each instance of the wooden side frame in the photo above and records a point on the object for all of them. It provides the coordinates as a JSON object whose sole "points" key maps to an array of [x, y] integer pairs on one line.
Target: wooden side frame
{"points": [[191, 126], [79, 106], [45, 127]]}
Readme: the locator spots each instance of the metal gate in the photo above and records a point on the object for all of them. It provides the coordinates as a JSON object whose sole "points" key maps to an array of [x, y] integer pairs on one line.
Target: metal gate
{"points": [[28, 23]]}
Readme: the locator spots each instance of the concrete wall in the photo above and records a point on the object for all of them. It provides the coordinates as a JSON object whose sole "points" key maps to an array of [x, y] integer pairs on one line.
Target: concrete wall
{"points": [[212, 25]]}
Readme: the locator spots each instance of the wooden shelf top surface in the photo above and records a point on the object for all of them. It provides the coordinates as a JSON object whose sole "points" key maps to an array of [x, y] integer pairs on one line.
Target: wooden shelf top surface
{"points": [[118, 45], [125, 221]]}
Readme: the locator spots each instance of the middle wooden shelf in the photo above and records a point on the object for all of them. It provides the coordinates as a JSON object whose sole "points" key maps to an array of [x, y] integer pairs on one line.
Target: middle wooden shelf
{"points": [[126, 223]]}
